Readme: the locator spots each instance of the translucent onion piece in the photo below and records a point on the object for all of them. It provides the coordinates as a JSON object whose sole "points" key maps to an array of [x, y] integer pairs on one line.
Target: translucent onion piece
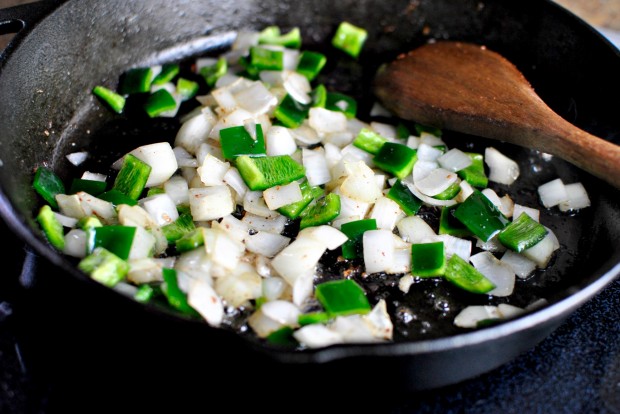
{"points": [[383, 129], [471, 315], [521, 265], [317, 336], [282, 195], [496, 271], [256, 99], [195, 131], [456, 245], [177, 189], [211, 203], [161, 208], [240, 287], [66, 221], [273, 287], [77, 158], [331, 237], [317, 170], [414, 229], [502, 169], [326, 121], [265, 243], [552, 193], [281, 311], [437, 181], [87, 175], [427, 152], [519, 209], [298, 258], [206, 302], [454, 160], [184, 158], [75, 243], [378, 250], [162, 160], [428, 200], [298, 87], [387, 213], [279, 141], [273, 224], [577, 197]]}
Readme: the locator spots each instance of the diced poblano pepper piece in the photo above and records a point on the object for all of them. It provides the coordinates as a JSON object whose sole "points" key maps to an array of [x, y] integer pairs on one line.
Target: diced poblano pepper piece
{"points": [[132, 177], [403, 196], [321, 212], [262, 58], [480, 216], [190, 240], [52, 228], [136, 80], [341, 103], [89, 222], [237, 141], [342, 297], [428, 259], [313, 317], [176, 297], [282, 336], [144, 293], [310, 64], [522, 233], [272, 36], [308, 194], [168, 72], [475, 174], [450, 192], [466, 276], [397, 159], [104, 267], [186, 88], [213, 72], [92, 187], [47, 184], [261, 173], [354, 230], [117, 198], [116, 239], [181, 226], [159, 102], [448, 224], [112, 99], [319, 96], [369, 141], [349, 38], [290, 112]]}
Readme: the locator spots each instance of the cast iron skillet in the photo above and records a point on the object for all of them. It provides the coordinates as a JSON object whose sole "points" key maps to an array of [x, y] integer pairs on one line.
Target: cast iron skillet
{"points": [[66, 47]]}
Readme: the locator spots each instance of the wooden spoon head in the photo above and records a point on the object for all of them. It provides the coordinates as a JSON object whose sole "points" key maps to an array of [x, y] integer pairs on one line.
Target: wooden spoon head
{"points": [[459, 86]]}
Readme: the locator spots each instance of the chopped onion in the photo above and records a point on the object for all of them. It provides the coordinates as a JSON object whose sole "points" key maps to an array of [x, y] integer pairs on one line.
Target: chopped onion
{"points": [[77, 158], [413, 142], [385, 130], [222, 249], [274, 224], [162, 160], [279, 141], [405, 282], [206, 301], [466, 191], [502, 169], [195, 130], [503, 206], [521, 265], [240, 287], [234, 118], [66, 221], [298, 258], [256, 99], [492, 245], [428, 200], [437, 181], [432, 140], [317, 336], [401, 261], [75, 243], [236, 182], [143, 244], [378, 250], [456, 245], [305, 134], [253, 202], [577, 197], [87, 175], [211, 203], [178, 190], [282, 195], [340, 138], [421, 169], [273, 287], [265, 243], [315, 163], [93, 205], [184, 158], [297, 86], [235, 228], [332, 238], [161, 207], [498, 272], [206, 148], [148, 270], [387, 213], [471, 315], [414, 229], [360, 184], [303, 288], [212, 170], [519, 209], [552, 193], [541, 252], [427, 152], [507, 311], [454, 160], [326, 121]]}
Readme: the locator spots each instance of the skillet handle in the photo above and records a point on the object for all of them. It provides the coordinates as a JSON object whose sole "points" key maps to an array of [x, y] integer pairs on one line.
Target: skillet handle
{"points": [[21, 18]]}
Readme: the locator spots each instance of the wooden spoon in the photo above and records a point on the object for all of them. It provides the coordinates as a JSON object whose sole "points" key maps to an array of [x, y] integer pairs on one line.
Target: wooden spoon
{"points": [[467, 88]]}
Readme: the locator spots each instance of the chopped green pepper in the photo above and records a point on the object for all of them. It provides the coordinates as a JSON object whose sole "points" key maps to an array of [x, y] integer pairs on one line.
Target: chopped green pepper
{"points": [[308, 194], [450, 192], [522, 233], [117, 198], [180, 227], [480, 216], [354, 230], [113, 100], [319, 96], [313, 317], [428, 259], [290, 112], [104, 267], [322, 211], [261, 173], [48, 185], [465, 276], [419, 129], [349, 38], [132, 177], [213, 72], [310, 64], [397, 159], [369, 141], [190, 240], [186, 88], [52, 228], [176, 297], [282, 336], [403, 196], [168, 72], [159, 102], [475, 174], [342, 297], [448, 224], [262, 58], [402, 131], [136, 80], [341, 103], [271, 36], [237, 141], [89, 222], [144, 293], [116, 239], [92, 187]]}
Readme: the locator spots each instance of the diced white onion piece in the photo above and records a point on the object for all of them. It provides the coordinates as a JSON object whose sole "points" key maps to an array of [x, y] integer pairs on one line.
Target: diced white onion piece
{"points": [[261, 324], [466, 191], [552, 193], [281, 311], [492, 245], [379, 321], [339, 139], [332, 154], [274, 224], [212, 171], [210, 203], [332, 238], [196, 264], [413, 142], [521, 265], [279, 141], [265, 243], [354, 126], [161, 207], [143, 244], [507, 311], [387, 213], [427, 152], [508, 206], [360, 183], [405, 282], [298, 258], [456, 245], [428, 200], [148, 270], [471, 315], [541, 252], [421, 169], [222, 249], [75, 243], [519, 209], [87, 175], [236, 182], [350, 207], [235, 228], [195, 130], [537, 304], [303, 288], [414, 229], [66, 221], [383, 129], [378, 250], [245, 40], [436, 182], [496, 271], [430, 139], [234, 118], [271, 77], [184, 158], [339, 221], [379, 110], [77, 158], [502, 169], [93, 205], [492, 196], [240, 287], [256, 99], [162, 160], [351, 153], [298, 87], [273, 287], [69, 205], [454, 160], [317, 170], [177, 189], [282, 195], [203, 298], [401, 261], [206, 148], [326, 121], [577, 197], [317, 336], [224, 99], [305, 134]]}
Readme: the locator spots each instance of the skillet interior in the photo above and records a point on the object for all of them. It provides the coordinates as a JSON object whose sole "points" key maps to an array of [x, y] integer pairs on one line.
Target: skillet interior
{"points": [[48, 112]]}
